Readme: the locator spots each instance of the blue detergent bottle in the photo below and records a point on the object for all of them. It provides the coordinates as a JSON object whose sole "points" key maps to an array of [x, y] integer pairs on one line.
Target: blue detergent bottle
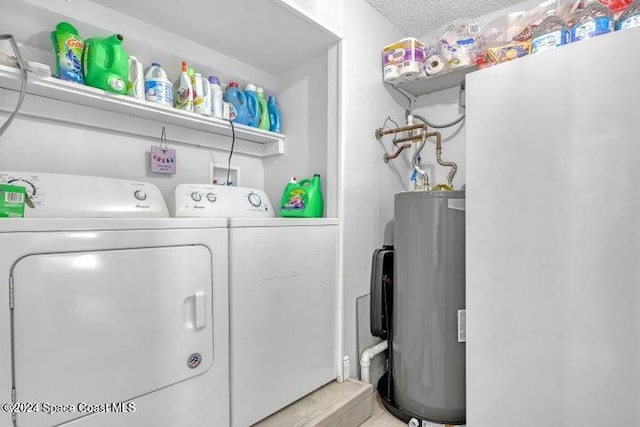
{"points": [[253, 105], [274, 114], [238, 102]]}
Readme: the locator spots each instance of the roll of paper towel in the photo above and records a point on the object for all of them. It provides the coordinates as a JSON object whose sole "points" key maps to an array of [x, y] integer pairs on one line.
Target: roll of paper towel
{"points": [[411, 70], [403, 61], [434, 65], [391, 73]]}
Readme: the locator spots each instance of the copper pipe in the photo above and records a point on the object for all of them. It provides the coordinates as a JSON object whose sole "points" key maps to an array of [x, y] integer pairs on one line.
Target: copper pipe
{"points": [[452, 165], [388, 156], [381, 132], [410, 139]]}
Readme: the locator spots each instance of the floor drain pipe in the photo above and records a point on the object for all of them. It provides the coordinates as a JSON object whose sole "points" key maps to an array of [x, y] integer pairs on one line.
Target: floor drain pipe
{"points": [[365, 359]]}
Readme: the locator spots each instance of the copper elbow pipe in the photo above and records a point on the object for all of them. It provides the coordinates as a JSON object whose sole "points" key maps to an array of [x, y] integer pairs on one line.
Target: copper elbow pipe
{"points": [[416, 138], [381, 132], [388, 156], [452, 165]]}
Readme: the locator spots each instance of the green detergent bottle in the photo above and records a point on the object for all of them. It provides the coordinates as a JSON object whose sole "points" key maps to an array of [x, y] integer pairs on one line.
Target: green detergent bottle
{"points": [[302, 199], [263, 110], [68, 46], [106, 64]]}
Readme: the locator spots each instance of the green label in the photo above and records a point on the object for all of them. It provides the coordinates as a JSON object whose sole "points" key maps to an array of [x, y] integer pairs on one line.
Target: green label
{"points": [[296, 201], [12, 201]]}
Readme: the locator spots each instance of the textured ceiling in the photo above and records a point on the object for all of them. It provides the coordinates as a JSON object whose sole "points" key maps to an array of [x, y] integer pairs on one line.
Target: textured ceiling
{"points": [[418, 17]]}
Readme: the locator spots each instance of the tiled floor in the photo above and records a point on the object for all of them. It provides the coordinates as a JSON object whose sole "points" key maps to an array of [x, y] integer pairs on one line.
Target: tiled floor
{"points": [[380, 417]]}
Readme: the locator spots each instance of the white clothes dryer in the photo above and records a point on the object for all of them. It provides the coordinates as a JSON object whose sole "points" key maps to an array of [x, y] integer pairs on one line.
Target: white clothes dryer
{"points": [[116, 315], [283, 298]]}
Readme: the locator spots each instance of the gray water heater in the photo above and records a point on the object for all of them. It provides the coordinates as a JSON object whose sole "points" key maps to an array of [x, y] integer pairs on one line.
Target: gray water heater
{"points": [[428, 349]]}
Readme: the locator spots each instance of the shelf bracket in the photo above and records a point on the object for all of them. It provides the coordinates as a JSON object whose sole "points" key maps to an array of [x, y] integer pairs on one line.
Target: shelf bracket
{"points": [[412, 99], [462, 96], [274, 148]]}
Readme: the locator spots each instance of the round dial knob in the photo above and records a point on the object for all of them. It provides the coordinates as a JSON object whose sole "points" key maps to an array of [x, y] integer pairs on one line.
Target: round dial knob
{"points": [[140, 195], [254, 199], [196, 197], [211, 197]]}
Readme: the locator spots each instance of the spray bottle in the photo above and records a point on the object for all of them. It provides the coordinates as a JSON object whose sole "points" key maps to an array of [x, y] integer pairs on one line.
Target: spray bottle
{"points": [[182, 90]]}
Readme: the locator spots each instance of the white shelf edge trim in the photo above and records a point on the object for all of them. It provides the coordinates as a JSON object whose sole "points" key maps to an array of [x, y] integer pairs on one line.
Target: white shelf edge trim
{"points": [[267, 143]]}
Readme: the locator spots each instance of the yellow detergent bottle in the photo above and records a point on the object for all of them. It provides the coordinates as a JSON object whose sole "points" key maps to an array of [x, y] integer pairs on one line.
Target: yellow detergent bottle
{"points": [[302, 199]]}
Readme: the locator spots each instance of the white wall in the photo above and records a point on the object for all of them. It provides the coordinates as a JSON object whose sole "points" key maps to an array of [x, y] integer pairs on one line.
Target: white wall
{"points": [[369, 184], [327, 12], [37, 145], [303, 106]]}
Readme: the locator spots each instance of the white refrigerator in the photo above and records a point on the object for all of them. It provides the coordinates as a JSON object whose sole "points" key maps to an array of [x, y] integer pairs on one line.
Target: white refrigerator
{"points": [[553, 238]]}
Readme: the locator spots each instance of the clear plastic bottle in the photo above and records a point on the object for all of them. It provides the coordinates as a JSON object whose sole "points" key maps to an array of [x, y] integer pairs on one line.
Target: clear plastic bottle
{"points": [[594, 20], [630, 18], [551, 33]]}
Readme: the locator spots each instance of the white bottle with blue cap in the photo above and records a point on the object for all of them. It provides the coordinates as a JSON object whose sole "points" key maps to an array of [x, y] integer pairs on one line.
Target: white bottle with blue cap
{"points": [[216, 96], [157, 87]]}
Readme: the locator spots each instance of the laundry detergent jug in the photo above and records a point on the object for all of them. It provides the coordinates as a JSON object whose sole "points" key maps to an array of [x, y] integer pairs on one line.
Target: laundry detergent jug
{"points": [[253, 105], [68, 47], [106, 64], [302, 199], [238, 103], [263, 109]]}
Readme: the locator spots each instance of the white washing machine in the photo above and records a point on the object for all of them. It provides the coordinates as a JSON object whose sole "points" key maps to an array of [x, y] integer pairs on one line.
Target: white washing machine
{"points": [[115, 314], [282, 281]]}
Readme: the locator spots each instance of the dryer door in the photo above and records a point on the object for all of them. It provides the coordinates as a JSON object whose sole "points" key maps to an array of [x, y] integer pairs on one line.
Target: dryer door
{"points": [[107, 326]]}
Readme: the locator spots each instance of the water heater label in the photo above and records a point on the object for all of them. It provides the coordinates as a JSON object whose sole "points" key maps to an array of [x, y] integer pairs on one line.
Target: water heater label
{"points": [[462, 325]]}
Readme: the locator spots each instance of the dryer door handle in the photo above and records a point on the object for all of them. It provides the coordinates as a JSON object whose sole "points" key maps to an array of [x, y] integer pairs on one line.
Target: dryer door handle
{"points": [[200, 309]]}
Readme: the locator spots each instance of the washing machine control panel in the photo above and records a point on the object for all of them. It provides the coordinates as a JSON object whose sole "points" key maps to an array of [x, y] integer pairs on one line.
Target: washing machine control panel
{"points": [[219, 201], [51, 195]]}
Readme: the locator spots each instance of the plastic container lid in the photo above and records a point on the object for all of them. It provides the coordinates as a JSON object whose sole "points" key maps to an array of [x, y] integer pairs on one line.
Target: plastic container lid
{"points": [[272, 98], [250, 87], [260, 89], [233, 84], [155, 64], [66, 27], [183, 66], [214, 80]]}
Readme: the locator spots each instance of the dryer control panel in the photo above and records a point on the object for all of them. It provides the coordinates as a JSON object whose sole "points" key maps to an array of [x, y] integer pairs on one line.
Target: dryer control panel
{"points": [[219, 201], [51, 195]]}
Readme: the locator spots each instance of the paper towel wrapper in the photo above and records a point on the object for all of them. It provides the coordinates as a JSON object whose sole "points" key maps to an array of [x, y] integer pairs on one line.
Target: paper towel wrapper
{"points": [[403, 61]]}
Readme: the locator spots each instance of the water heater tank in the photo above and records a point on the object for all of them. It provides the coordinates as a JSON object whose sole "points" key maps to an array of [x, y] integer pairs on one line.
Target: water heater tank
{"points": [[427, 348]]}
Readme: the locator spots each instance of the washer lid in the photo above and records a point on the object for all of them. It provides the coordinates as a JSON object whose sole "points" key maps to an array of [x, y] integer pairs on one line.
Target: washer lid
{"points": [[52, 195]]}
